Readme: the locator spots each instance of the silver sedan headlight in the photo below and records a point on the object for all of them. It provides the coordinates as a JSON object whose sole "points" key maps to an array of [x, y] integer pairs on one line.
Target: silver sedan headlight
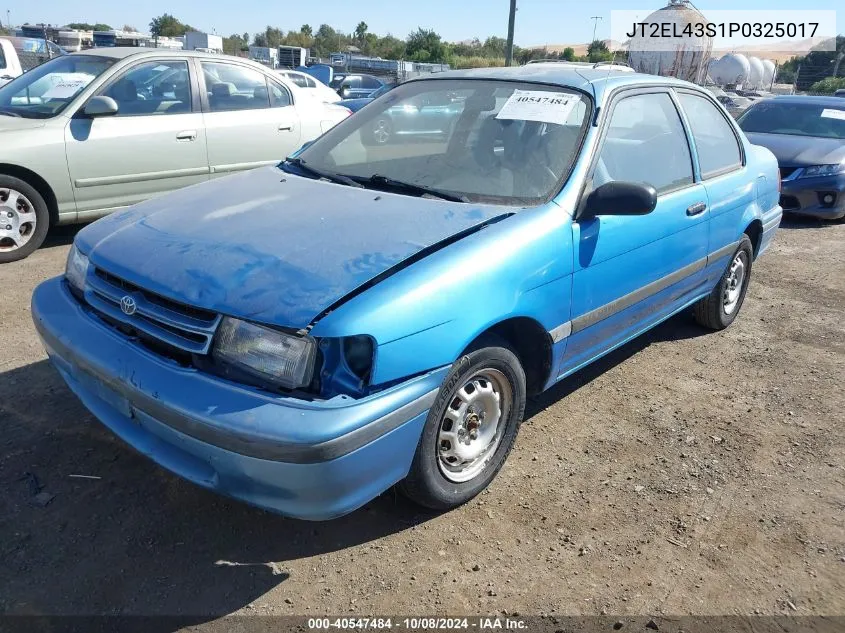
{"points": [[273, 356], [76, 268], [823, 170]]}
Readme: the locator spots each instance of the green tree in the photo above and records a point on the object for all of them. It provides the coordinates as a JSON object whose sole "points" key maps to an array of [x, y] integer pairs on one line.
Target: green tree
{"points": [[85, 26], [130, 28], [568, 54], [388, 47], [361, 32], [166, 25], [598, 51], [828, 86], [327, 40], [306, 30], [425, 46]]}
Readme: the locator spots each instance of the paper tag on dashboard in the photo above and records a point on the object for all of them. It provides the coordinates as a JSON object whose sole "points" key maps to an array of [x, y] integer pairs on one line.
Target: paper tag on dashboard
{"points": [[65, 89], [539, 105], [829, 113]]}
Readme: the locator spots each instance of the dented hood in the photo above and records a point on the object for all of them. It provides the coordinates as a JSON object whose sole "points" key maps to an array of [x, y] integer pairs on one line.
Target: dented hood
{"points": [[270, 246]]}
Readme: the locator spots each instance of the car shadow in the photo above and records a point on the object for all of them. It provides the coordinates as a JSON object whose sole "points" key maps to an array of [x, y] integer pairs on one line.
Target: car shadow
{"points": [[89, 527], [679, 327], [790, 221], [62, 235]]}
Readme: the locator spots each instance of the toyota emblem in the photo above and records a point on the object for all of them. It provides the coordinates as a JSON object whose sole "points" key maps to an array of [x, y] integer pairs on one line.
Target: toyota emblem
{"points": [[128, 305]]}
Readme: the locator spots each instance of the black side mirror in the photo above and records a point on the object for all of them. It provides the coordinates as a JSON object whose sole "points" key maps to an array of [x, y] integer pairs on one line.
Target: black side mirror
{"points": [[620, 198]]}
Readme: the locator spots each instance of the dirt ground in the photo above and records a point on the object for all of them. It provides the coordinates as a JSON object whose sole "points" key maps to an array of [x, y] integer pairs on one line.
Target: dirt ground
{"points": [[687, 473]]}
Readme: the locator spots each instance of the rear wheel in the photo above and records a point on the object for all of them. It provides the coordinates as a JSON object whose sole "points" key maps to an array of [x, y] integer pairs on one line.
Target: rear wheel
{"points": [[470, 429], [24, 219], [719, 309]]}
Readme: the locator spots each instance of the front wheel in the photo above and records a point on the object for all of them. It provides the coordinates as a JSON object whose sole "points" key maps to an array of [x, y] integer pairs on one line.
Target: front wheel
{"points": [[719, 309], [24, 219], [470, 429]]}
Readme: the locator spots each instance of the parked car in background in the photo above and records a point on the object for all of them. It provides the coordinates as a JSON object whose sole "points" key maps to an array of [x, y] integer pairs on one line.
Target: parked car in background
{"points": [[357, 104], [839, 93], [88, 133], [354, 86], [735, 105], [807, 134], [20, 54], [306, 335], [310, 84]]}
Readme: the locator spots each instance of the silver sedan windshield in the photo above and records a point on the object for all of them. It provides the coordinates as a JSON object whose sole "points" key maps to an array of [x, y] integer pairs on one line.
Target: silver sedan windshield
{"points": [[46, 90], [501, 142]]}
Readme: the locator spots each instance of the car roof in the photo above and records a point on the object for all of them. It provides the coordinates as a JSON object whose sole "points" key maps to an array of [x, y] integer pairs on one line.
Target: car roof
{"points": [[122, 52], [819, 100], [599, 80]]}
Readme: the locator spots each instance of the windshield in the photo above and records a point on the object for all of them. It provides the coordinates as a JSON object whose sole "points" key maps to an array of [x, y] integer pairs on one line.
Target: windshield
{"points": [[798, 119], [480, 141], [46, 90]]}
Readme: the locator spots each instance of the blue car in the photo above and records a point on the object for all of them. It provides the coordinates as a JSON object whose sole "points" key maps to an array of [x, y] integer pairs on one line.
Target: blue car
{"points": [[807, 135], [304, 336]]}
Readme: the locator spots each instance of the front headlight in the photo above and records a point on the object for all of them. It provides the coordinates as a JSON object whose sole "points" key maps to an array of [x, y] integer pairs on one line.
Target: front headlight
{"points": [[823, 170], [276, 357], [76, 268]]}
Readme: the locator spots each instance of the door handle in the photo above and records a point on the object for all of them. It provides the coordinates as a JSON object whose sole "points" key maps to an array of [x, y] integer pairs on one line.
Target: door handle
{"points": [[188, 135], [286, 127], [696, 209]]}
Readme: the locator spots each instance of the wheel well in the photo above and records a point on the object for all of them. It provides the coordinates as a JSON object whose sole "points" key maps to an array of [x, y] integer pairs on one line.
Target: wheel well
{"points": [[754, 231], [532, 345], [38, 183]]}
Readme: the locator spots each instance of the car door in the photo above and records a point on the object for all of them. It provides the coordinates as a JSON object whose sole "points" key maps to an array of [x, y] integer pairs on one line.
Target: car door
{"points": [[250, 119], [155, 143], [730, 188], [632, 271]]}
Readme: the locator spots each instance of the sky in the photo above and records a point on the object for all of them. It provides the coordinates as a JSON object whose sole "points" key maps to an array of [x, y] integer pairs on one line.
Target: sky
{"points": [[537, 21]]}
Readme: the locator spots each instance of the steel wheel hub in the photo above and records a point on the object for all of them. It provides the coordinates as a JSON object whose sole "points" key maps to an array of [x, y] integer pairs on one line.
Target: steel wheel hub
{"points": [[471, 428], [734, 283], [17, 220]]}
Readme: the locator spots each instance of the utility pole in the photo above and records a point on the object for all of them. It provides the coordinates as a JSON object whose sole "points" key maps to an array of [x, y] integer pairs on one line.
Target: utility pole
{"points": [[595, 20], [511, 19]]}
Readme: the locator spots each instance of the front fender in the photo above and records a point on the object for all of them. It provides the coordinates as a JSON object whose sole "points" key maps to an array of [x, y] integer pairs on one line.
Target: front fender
{"points": [[425, 315]]}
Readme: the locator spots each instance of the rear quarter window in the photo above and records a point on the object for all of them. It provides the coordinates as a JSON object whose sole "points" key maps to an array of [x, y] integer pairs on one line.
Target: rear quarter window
{"points": [[715, 141]]}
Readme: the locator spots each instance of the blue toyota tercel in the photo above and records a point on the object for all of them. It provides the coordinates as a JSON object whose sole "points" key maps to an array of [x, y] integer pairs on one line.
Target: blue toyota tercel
{"points": [[304, 336]]}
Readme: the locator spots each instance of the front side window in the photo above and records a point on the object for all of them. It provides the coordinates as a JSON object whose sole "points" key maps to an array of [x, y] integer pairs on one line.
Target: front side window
{"points": [[645, 143], [488, 141], [46, 90], [233, 87], [795, 119], [715, 142], [152, 88], [370, 82]]}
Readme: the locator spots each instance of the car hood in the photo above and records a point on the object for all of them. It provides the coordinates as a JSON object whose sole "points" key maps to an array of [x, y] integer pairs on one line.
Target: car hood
{"points": [[355, 104], [270, 246], [801, 151]]}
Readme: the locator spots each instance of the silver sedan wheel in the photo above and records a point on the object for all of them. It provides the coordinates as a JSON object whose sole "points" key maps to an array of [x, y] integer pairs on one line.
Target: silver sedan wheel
{"points": [[734, 282], [473, 424], [17, 220]]}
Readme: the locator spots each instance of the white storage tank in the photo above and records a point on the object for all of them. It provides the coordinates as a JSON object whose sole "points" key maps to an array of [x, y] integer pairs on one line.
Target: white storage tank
{"points": [[769, 69], [684, 57], [732, 69], [755, 76]]}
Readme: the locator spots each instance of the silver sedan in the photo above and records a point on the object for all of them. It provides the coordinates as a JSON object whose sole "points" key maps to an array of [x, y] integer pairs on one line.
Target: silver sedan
{"points": [[86, 134]]}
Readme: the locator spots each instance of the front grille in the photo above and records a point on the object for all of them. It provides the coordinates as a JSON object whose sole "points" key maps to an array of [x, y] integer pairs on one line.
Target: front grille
{"points": [[163, 320], [789, 203]]}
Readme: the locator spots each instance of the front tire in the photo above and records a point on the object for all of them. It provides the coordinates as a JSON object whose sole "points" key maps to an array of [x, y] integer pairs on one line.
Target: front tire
{"points": [[470, 429], [720, 308], [24, 219]]}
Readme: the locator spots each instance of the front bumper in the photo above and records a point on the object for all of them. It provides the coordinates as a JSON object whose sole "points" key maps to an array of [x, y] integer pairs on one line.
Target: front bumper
{"points": [[803, 196], [310, 460]]}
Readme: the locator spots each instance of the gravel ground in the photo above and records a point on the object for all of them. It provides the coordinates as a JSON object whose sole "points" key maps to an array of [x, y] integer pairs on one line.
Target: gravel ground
{"points": [[686, 473]]}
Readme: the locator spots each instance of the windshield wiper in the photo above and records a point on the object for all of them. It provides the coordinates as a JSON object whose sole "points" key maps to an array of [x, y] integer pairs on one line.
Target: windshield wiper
{"points": [[325, 175], [421, 190]]}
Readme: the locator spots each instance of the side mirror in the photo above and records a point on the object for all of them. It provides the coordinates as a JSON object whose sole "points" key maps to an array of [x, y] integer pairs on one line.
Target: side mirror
{"points": [[100, 106], [621, 198], [344, 93]]}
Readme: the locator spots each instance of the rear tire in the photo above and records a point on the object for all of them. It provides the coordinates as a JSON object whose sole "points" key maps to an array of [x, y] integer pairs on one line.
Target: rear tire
{"points": [[24, 219], [720, 308], [470, 430]]}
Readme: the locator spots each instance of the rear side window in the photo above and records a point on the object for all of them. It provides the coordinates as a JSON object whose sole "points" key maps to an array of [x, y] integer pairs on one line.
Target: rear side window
{"points": [[370, 82], [2, 59], [233, 87], [645, 143], [299, 80], [715, 141]]}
